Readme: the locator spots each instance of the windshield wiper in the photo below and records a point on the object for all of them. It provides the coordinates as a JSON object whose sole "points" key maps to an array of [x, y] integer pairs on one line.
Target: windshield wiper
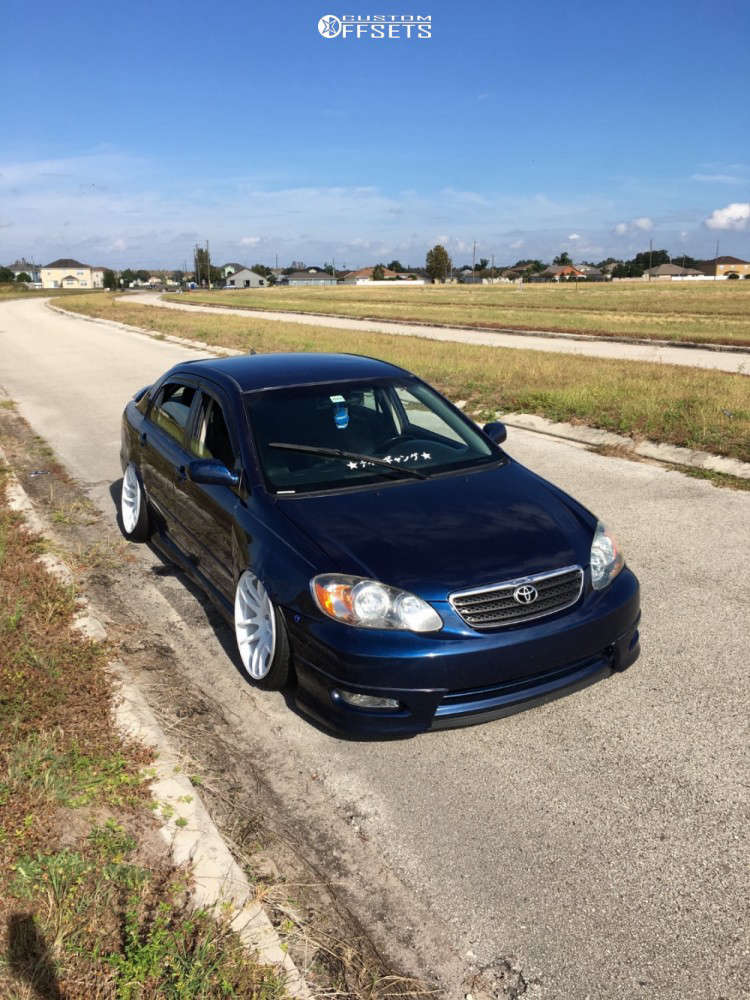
{"points": [[351, 455]]}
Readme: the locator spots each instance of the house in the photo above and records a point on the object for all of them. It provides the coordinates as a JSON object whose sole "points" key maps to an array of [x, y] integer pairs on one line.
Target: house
{"points": [[311, 276], [666, 272], [69, 273], [364, 277], [231, 268], [722, 267], [591, 272], [245, 278], [23, 266], [557, 271]]}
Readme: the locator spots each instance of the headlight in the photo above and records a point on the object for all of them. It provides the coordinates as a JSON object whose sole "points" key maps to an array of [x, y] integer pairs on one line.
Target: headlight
{"points": [[370, 604], [606, 557]]}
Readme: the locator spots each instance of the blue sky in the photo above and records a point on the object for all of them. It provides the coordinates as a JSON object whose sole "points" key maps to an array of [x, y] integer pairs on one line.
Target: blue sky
{"points": [[128, 133]]}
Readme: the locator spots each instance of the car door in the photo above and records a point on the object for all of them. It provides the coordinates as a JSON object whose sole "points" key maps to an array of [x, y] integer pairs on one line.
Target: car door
{"points": [[208, 511], [162, 448]]}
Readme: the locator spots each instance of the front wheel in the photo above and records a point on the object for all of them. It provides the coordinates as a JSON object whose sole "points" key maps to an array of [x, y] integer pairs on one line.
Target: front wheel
{"points": [[261, 635], [133, 507]]}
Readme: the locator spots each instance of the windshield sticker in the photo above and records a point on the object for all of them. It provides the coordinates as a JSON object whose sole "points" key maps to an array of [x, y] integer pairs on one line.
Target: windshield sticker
{"points": [[414, 456]]}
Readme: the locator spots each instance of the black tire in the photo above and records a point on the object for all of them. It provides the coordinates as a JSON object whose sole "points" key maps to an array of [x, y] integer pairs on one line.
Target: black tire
{"points": [[133, 507]]}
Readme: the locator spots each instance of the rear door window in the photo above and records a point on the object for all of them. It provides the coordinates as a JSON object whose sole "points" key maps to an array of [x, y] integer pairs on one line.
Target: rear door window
{"points": [[171, 409]]}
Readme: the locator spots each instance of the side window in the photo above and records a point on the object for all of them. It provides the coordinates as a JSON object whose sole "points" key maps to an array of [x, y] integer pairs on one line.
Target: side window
{"points": [[172, 409], [421, 417], [212, 436]]}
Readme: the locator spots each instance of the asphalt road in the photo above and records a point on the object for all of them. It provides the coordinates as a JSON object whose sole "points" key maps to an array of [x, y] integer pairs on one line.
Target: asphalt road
{"points": [[693, 357], [600, 839]]}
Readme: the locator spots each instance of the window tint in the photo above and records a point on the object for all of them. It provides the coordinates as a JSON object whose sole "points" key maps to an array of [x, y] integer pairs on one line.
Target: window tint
{"points": [[212, 436], [172, 409]]}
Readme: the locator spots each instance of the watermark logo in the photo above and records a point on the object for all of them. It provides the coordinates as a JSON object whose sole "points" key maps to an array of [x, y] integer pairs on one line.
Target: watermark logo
{"points": [[329, 26], [376, 26]]}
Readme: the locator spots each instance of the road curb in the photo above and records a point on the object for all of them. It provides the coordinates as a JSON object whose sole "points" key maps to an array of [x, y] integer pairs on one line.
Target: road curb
{"points": [[666, 453], [187, 827], [670, 454], [559, 334]]}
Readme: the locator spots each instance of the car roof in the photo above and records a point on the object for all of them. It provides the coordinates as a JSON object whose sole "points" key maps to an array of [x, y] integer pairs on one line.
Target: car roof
{"points": [[250, 372]]}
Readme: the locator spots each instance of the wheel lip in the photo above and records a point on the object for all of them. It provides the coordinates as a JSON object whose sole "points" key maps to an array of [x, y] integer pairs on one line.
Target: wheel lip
{"points": [[130, 499], [245, 648]]}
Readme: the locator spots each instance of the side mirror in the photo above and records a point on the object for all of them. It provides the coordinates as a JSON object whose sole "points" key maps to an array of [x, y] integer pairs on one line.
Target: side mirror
{"points": [[496, 431], [212, 473]]}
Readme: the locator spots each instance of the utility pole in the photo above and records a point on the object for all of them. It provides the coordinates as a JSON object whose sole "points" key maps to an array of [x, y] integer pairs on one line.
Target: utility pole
{"points": [[473, 258], [208, 267], [716, 261], [650, 257]]}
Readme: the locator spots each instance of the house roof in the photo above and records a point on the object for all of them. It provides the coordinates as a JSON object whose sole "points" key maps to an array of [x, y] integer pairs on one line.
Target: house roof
{"points": [[366, 272], [66, 262], [555, 269], [233, 263], [728, 260], [671, 269]]}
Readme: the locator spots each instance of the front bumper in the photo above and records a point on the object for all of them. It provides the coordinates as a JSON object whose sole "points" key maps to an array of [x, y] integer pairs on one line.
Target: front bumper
{"points": [[459, 677]]}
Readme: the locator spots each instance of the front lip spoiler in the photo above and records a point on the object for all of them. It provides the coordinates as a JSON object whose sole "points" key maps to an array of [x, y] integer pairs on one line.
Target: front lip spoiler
{"points": [[461, 713]]}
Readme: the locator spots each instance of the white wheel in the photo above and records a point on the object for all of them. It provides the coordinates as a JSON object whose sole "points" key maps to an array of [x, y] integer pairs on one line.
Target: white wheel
{"points": [[254, 626], [133, 508]]}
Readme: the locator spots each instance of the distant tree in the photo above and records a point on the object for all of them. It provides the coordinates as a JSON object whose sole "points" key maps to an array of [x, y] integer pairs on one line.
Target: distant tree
{"points": [[378, 273], [289, 270], [23, 276], [110, 280], [396, 265], [685, 261], [143, 275], [482, 264], [438, 263], [178, 276], [328, 268], [262, 270], [127, 276], [533, 266], [6, 274], [649, 258], [562, 259]]}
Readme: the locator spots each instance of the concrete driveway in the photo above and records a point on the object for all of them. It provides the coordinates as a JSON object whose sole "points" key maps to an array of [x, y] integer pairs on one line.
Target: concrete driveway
{"points": [[599, 840], [694, 357]]}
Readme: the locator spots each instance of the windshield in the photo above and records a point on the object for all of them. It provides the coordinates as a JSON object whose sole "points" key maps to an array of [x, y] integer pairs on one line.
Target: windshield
{"points": [[403, 424]]}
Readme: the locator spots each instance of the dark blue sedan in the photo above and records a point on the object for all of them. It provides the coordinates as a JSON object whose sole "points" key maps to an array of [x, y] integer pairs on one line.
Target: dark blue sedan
{"points": [[373, 549]]}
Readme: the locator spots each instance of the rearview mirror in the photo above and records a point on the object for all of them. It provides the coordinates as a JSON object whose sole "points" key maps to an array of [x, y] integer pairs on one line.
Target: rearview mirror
{"points": [[212, 473], [496, 431]]}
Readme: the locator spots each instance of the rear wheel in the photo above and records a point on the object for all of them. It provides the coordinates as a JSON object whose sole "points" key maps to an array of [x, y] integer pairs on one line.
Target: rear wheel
{"points": [[133, 508], [261, 634]]}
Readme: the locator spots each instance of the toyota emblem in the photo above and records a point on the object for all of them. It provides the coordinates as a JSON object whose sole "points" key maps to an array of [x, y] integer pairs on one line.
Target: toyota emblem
{"points": [[525, 594]]}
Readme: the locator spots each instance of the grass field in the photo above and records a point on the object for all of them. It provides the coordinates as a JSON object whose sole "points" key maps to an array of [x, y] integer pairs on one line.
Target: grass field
{"points": [[685, 406], [705, 313]]}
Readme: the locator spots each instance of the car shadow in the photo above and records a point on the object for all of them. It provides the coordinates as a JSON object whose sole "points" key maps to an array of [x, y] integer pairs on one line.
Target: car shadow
{"points": [[223, 631]]}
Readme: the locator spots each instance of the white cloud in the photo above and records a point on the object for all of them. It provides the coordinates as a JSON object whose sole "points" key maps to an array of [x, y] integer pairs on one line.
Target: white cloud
{"points": [[249, 241], [574, 236], [516, 244], [735, 216], [719, 178], [642, 223]]}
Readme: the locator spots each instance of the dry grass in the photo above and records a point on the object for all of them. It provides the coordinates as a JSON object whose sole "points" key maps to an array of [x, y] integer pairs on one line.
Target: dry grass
{"points": [[90, 907], [705, 313], [691, 407]]}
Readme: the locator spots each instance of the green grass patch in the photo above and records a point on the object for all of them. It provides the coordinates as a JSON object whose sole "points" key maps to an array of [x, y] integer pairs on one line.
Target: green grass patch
{"points": [[709, 312], [691, 407]]}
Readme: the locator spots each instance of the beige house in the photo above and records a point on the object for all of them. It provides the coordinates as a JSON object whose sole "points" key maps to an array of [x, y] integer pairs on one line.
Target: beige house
{"points": [[69, 273]]}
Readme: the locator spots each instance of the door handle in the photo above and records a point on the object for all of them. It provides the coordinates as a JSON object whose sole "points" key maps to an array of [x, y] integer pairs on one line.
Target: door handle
{"points": [[181, 473]]}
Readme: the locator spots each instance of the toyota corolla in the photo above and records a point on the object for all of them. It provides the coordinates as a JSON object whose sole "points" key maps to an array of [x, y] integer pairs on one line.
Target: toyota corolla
{"points": [[373, 549]]}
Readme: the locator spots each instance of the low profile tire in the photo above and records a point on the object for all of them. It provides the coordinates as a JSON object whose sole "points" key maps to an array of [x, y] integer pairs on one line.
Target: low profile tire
{"points": [[133, 507], [261, 636]]}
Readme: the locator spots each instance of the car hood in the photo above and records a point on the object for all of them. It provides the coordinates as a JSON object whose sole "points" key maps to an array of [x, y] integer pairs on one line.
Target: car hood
{"points": [[448, 533]]}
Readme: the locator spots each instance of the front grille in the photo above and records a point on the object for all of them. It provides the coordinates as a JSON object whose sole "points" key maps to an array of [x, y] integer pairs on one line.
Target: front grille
{"points": [[495, 607]]}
